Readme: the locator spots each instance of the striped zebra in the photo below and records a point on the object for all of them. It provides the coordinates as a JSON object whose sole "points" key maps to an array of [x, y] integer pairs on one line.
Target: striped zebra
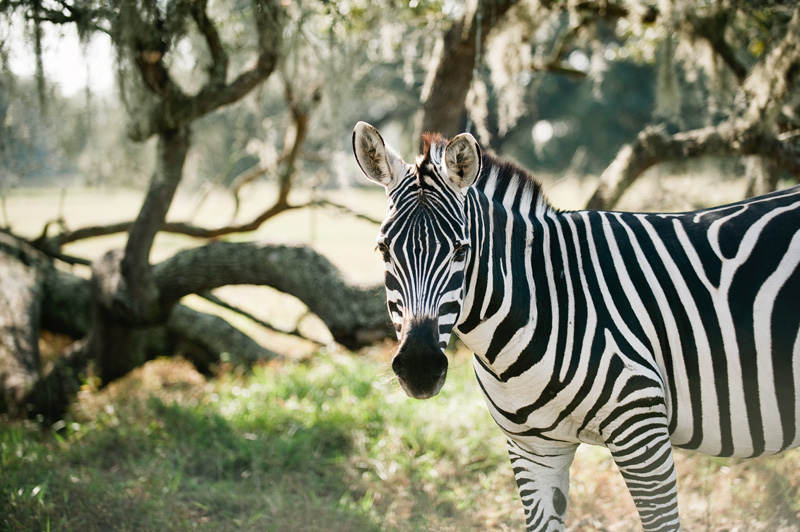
{"points": [[636, 331]]}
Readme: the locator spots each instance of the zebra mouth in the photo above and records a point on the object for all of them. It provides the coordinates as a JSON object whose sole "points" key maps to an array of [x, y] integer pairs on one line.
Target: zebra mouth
{"points": [[416, 391], [420, 364]]}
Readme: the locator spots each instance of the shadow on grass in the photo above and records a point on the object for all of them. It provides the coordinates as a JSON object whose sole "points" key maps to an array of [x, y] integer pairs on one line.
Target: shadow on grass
{"points": [[321, 446], [176, 468]]}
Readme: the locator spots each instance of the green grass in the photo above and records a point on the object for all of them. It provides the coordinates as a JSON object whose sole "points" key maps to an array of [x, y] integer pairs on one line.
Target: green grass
{"points": [[331, 444]]}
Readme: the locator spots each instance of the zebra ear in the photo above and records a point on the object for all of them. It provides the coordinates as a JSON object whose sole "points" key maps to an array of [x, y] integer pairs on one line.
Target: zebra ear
{"points": [[462, 158], [379, 162]]}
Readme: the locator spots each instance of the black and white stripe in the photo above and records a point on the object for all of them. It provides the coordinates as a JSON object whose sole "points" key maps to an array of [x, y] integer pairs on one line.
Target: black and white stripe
{"points": [[636, 331]]}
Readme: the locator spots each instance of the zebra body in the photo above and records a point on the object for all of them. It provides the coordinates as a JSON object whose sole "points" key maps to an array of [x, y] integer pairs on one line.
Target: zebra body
{"points": [[636, 331]]}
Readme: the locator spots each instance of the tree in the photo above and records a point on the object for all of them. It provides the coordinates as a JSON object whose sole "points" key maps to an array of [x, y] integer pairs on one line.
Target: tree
{"points": [[755, 117], [129, 309], [725, 77], [451, 76]]}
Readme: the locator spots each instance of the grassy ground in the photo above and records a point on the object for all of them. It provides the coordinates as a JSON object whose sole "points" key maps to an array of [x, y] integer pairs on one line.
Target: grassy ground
{"points": [[329, 443]]}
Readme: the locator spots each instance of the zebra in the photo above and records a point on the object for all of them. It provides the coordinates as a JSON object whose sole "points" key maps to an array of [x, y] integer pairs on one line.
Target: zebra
{"points": [[636, 331]]}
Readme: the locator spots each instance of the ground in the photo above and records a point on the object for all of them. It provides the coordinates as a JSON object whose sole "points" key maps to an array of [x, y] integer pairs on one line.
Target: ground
{"points": [[327, 443]]}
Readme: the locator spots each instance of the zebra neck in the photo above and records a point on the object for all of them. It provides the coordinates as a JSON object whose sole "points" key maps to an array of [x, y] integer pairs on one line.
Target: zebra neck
{"points": [[506, 214]]}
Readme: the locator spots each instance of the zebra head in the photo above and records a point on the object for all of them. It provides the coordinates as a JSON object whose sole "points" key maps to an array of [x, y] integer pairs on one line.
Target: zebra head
{"points": [[425, 245]]}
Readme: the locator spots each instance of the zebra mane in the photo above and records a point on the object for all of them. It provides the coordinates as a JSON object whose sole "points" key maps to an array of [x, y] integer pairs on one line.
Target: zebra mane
{"points": [[504, 172], [431, 139]]}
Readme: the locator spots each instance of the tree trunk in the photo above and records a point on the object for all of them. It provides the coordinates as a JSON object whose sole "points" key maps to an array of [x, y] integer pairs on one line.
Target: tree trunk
{"points": [[125, 301], [443, 107], [20, 300]]}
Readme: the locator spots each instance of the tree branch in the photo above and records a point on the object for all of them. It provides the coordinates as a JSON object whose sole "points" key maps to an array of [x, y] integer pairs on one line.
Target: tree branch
{"points": [[51, 245], [712, 29], [179, 109], [355, 315], [654, 146], [773, 79], [322, 202], [300, 115], [204, 337], [208, 296], [218, 70], [764, 91], [135, 266], [82, 17]]}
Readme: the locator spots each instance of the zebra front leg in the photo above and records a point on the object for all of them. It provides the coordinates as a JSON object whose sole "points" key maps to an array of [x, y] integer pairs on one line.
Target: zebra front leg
{"points": [[643, 454], [542, 476]]}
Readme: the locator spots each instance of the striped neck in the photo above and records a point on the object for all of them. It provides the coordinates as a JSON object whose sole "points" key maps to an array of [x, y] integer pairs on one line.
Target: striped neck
{"points": [[504, 210]]}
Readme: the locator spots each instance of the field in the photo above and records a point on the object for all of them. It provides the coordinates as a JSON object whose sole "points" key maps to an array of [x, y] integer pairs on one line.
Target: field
{"points": [[324, 441]]}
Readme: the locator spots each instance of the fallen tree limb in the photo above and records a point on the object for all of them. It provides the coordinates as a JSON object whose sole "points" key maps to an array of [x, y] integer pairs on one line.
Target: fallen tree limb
{"points": [[355, 315], [654, 146], [51, 244]]}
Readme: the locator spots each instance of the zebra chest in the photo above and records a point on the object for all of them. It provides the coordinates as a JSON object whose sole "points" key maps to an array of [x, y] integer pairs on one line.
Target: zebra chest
{"points": [[585, 402], [531, 407]]}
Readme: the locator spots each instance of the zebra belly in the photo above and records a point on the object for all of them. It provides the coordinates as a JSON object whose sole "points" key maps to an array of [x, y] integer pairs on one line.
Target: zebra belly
{"points": [[768, 423]]}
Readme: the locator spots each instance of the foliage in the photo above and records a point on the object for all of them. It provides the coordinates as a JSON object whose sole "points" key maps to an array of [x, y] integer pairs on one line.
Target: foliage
{"points": [[325, 444], [633, 64], [165, 450]]}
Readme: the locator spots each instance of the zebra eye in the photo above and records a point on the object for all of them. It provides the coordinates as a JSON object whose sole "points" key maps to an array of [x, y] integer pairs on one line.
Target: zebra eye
{"points": [[460, 252], [383, 248]]}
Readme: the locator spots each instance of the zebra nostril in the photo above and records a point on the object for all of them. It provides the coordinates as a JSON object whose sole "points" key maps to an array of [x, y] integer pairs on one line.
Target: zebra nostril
{"points": [[420, 364], [399, 366]]}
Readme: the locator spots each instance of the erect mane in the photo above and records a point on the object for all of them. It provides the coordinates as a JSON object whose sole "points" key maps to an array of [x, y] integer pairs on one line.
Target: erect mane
{"points": [[429, 140], [506, 169]]}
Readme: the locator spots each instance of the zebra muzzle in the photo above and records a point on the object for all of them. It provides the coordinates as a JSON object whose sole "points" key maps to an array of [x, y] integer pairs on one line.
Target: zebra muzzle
{"points": [[420, 364]]}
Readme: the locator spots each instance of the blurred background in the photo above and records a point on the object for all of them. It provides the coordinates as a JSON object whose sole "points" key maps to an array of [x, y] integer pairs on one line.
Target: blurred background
{"points": [[193, 333]]}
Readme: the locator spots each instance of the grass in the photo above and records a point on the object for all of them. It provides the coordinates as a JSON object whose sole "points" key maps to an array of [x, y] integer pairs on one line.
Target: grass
{"points": [[321, 445], [329, 443]]}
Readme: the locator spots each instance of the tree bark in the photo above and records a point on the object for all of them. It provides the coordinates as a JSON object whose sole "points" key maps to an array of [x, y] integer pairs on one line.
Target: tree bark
{"points": [[355, 315], [204, 339], [443, 107], [20, 301], [135, 265]]}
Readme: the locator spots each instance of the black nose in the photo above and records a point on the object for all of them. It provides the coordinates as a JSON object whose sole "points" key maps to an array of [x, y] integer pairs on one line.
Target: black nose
{"points": [[420, 364]]}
